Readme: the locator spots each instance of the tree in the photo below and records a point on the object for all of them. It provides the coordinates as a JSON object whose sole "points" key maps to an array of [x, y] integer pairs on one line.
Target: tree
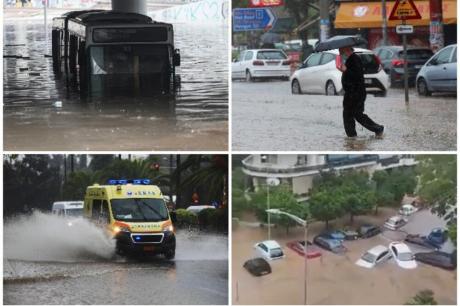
{"points": [[424, 297], [325, 206], [356, 201], [100, 161], [239, 203]]}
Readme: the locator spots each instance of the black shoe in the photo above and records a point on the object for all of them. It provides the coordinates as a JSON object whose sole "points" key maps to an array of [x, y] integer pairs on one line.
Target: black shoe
{"points": [[379, 133]]}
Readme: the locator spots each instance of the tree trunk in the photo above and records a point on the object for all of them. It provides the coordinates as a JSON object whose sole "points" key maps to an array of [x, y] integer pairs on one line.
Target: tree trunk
{"points": [[351, 218], [327, 224]]}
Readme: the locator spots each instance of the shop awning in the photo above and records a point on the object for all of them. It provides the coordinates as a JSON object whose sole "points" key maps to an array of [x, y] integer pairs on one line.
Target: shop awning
{"points": [[369, 14]]}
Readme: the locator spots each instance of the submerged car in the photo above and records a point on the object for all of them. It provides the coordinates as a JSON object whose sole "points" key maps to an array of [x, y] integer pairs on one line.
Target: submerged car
{"points": [[395, 222], [349, 234], [261, 64], [438, 259], [333, 245], [334, 234], [374, 256], [269, 249], [403, 255], [439, 74], [434, 240], [258, 266], [299, 246], [320, 74], [368, 230], [407, 210]]}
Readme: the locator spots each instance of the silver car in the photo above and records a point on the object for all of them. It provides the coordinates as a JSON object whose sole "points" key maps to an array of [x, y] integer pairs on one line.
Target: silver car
{"points": [[439, 73]]}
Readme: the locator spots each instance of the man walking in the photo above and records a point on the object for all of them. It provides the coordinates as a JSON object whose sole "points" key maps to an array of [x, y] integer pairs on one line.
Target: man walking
{"points": [[355, 95]]}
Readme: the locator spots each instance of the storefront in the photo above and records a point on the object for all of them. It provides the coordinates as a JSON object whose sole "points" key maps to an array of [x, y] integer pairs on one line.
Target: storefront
{"points": [[366, 17]]}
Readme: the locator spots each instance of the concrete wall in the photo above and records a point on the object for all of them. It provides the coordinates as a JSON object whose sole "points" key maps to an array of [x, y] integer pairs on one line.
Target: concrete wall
{"points": [[302, 184], [202, 12]]}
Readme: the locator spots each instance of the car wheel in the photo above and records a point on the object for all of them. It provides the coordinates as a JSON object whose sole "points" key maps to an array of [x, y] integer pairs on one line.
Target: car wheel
{"points": [[422, 88], [295, 88], [249, 76], [170, 254], [330, 89]]}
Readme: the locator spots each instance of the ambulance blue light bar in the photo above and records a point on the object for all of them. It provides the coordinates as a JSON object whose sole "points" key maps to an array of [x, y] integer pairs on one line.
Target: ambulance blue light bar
{"points": [[133, 181]]}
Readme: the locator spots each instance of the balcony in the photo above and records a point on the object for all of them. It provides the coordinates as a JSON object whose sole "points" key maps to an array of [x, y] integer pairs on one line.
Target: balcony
{"points": [[269, 168]]}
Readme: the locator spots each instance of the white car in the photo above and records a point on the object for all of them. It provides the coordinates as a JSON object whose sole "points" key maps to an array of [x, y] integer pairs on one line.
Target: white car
{"points": [[403, 255], [320, 74], [269, 249], [261, 63], [395, 222], [407, 209], [374, 256]]}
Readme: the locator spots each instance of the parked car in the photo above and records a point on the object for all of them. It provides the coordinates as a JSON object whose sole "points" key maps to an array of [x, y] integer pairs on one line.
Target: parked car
{"points": [[320, 74], [258, 266], [333, 245], [368, 230], [299, 246], [261, 63], [434, 240], [407, 209], [374, 256], [402, 255], [392, 59], [395, 222], [438, 259], [269, 249], [439, 74], [334, 234], [349, 234]]}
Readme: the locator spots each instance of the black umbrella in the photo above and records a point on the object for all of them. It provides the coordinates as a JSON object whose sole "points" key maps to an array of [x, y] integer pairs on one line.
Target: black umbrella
{"points": [[340, 41]]}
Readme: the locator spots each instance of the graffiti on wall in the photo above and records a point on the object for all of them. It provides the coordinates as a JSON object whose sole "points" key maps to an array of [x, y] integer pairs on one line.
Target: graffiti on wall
{"points": [[207, 11]]}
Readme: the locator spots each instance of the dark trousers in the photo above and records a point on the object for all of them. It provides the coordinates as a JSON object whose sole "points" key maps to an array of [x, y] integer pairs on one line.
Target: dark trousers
{"points": [[353, 109]]}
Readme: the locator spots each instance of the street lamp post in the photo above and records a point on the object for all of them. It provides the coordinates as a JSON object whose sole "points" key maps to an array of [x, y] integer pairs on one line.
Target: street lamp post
{"points": [[304, 224], [271, 181]]}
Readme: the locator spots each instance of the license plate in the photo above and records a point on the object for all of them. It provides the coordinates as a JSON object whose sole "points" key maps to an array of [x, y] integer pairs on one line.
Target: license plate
{"points": [[367, 81], [273, 63], [149, 248]]}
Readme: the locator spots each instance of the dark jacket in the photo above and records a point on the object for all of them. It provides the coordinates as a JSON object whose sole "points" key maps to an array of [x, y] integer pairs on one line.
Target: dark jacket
{"points": [[353, 77]]}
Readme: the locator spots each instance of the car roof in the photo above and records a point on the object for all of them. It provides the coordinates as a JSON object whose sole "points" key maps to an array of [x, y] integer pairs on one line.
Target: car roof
{"points": [[401, 247], [336, 51], [377, 250], [271, 244]]}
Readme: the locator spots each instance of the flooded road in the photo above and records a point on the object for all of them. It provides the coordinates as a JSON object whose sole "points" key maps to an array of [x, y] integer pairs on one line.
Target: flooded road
{"points": [[77, 266], [267, 114], [196, 119], [335, 279]]}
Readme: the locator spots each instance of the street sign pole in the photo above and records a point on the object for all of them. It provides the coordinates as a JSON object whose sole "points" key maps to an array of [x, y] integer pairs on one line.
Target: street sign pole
{"points": [[406, 80]]}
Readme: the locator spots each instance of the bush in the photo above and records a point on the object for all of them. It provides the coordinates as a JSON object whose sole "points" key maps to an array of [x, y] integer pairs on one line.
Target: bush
{"points": [[206, 217], [186, 218]]}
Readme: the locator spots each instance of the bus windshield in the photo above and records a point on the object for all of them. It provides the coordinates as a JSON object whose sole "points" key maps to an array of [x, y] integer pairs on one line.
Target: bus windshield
{"points": [[129, 59], [140, 210]]}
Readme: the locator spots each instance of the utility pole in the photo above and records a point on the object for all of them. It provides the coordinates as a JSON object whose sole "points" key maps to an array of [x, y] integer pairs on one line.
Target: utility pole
{"points": [[384, 23], [324, 21], [436, 25]]}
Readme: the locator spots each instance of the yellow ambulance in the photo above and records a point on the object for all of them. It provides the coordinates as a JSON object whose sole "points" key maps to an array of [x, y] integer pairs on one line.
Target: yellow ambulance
{"points": [[135, 214]]}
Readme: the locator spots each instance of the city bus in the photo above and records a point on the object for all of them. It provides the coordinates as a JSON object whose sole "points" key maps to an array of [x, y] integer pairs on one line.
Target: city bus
{"points": [[109, 53], [135, 214]]}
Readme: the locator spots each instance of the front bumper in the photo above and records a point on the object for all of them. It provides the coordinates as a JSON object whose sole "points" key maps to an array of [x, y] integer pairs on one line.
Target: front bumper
{"points": [[152, 243]]}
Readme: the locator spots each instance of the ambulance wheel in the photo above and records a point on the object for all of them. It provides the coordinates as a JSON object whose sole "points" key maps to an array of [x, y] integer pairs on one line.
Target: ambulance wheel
{"points": [[170, 254]]}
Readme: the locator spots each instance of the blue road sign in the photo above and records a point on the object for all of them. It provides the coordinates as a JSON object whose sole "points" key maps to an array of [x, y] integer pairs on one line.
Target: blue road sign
{"points": [[248, 19]]}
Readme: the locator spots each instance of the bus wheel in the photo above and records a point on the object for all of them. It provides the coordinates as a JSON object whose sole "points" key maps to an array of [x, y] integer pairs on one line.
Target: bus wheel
{"points": [[170, 254]]}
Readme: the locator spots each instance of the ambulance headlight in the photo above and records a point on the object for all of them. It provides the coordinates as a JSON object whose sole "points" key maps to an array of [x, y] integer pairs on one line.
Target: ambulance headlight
{"points": [[168, 228], [118, 229]]}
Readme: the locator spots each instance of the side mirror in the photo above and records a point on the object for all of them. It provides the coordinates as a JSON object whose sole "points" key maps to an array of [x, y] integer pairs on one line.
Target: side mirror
{"points": [[176, 57], [173, 216]]}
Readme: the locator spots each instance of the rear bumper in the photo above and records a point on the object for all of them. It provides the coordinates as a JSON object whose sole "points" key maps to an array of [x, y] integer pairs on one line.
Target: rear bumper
{"points": [[125, 242], [281, 73]]}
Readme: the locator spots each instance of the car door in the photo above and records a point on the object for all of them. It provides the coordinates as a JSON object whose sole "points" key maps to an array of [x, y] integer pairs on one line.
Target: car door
{"points": [[437, 70], [451, 72], [307, 76], [236, 66], [247, 62]]}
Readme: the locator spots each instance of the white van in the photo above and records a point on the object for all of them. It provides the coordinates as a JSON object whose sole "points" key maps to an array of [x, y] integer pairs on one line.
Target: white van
{"points": [[68, 208]]}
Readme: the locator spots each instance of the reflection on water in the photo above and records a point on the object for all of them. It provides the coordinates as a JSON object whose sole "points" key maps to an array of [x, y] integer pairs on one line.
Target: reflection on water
{"points": [[194, 119]]}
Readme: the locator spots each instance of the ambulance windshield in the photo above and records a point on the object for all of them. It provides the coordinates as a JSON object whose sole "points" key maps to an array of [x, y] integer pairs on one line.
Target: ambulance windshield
{"points": [[139, 210]]}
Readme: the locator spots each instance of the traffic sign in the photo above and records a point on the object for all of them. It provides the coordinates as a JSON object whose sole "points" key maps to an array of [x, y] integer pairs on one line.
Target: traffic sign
{"points": [[404, 29], [404, 10], [265, 3], [248, 19]]}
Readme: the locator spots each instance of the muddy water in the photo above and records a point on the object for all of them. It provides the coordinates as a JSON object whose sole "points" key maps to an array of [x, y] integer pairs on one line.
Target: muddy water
{"points": [[196, 119], [334, 279]]}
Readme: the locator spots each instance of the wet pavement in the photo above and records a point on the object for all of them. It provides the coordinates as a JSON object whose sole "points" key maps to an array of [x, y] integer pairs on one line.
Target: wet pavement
{"points": [[196, 119], [267, 117], [334, 279], [198, 275]]}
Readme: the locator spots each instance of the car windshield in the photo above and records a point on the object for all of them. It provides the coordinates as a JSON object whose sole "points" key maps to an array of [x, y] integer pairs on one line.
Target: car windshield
{"points": [[128, 59], [271, 55], [76, 212], [417, 54], [277, 252], [405, 256], [368, 257], [146, 210]]}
